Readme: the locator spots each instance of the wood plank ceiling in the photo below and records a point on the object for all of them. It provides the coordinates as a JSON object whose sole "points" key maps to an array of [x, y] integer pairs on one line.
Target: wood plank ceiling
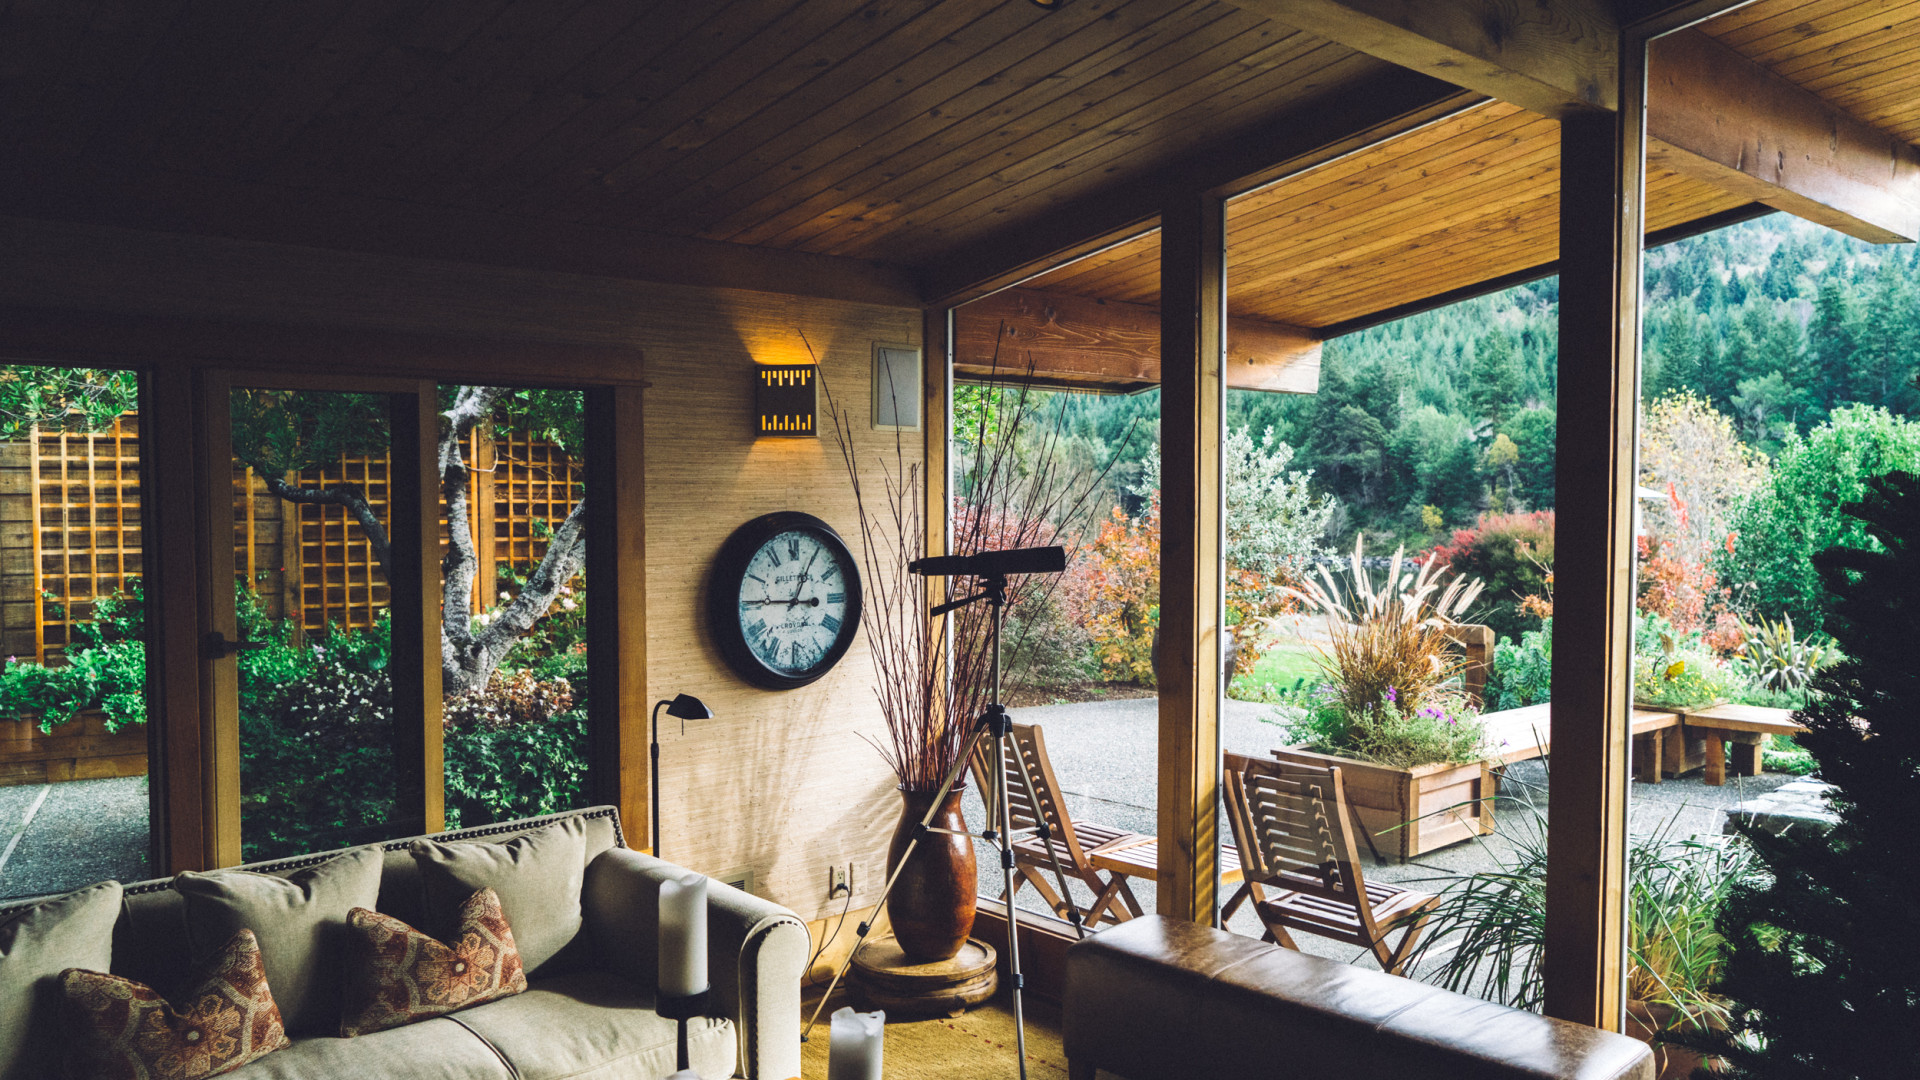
{"points": [[1467, 199], [891, 130], [896, 131], [1862, 57]]}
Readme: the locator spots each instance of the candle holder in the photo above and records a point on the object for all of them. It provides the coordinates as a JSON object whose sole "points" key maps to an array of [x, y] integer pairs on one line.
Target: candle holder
{"points": [[680, 1009]]}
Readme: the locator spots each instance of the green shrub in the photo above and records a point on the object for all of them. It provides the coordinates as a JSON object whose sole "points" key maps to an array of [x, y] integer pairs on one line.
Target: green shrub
{"points": [[520, 770], [1673, 670], [1441, 729], [104, 668], [1799, 512], [1512, 554], [1522, 673]]}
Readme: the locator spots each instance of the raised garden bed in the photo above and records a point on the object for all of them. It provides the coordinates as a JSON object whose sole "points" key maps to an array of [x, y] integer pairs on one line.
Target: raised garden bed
{"points": [[80, 749], [1411, 811]]}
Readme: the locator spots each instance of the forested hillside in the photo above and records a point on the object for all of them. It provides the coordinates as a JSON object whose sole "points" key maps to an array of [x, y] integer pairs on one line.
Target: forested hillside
{"points": [[1422, 424]]}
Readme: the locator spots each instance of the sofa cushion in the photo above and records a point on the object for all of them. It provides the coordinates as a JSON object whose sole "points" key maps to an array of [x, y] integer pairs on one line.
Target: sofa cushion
{"points": [[397, 975], [300, 919], [537, 876], [75, 930], [612, 1032], [429, 1050], [118, 1029]]}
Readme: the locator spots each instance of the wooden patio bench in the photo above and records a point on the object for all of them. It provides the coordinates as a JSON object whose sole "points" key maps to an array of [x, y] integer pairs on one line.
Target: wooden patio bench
{"points": [[1746, 727], [1525, 733]]}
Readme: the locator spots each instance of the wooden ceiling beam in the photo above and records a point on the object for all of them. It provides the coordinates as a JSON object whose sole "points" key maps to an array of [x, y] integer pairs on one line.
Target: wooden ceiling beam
{"points": [[1551, 58], [1058, 339], [1717, 116]]}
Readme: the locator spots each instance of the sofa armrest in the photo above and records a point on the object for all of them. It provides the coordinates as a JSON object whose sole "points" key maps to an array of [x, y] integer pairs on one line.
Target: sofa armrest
{"points": [[756, 953]]}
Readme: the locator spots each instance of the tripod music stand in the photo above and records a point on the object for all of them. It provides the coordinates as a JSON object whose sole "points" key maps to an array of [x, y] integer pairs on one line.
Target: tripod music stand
{"points": [[992, 568]]}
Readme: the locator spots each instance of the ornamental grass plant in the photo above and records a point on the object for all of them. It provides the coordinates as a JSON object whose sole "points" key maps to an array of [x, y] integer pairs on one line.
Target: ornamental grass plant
{"points": [[1393, 675]]}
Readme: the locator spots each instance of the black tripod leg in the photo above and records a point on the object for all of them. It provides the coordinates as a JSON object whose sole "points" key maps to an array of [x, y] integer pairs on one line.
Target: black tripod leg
{"points": [[1046, 837]]}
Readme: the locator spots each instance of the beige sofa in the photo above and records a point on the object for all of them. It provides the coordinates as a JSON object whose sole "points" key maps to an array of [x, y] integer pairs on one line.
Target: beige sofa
{"points": [[595, 1021]]}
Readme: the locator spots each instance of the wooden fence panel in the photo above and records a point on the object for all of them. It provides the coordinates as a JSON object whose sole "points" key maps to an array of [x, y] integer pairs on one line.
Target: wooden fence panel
{"points": [[70, 531]]}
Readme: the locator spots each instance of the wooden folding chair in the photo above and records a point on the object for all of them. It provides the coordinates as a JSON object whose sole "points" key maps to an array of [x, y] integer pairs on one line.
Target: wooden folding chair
{"points": [[1099, 856], [1291, 824]]}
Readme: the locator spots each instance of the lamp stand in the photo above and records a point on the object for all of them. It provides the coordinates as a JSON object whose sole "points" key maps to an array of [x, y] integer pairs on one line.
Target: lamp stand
{"points": [[680, 1010], [653, 779]]}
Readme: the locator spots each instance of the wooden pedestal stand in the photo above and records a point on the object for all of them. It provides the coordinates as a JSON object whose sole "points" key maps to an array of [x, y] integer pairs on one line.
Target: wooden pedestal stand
{"points": [[883, 978]]}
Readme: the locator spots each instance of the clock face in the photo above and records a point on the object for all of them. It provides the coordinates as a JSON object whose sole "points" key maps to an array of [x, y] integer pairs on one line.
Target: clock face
{"points": [[783, 603], [793, 602]]}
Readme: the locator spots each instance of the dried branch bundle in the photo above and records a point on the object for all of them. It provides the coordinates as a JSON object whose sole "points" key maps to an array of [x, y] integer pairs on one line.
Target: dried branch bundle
{"points": [[1021, 491]]}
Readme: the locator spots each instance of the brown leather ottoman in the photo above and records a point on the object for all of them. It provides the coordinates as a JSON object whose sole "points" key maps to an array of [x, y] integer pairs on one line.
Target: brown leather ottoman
{"points": [[1154, 997]]}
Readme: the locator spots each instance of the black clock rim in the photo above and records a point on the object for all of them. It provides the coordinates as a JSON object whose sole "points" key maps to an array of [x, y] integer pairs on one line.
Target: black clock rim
{"points": [[723, 595]]}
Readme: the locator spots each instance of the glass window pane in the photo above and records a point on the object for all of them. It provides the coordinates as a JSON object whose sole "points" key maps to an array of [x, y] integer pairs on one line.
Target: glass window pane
{"points": [[311, 510], [516, 738], [73, 709]]}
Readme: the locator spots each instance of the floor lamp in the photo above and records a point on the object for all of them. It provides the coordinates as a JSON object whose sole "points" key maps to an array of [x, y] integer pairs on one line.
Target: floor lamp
{"points": [[686, 707]]}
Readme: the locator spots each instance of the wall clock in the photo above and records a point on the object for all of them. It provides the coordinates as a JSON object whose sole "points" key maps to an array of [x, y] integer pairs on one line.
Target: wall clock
{"points": [[783, 602]]}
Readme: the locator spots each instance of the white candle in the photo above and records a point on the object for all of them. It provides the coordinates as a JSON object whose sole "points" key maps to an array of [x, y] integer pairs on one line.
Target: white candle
{"points": [[854, 1050], [683, 936]]}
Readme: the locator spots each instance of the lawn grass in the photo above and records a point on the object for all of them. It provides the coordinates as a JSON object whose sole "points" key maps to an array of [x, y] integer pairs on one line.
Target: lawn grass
{"points": [[1281, 667]]}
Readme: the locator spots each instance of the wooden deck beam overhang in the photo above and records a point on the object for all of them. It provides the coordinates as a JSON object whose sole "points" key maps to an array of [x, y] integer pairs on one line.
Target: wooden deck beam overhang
{"points": [[1076, 342]]}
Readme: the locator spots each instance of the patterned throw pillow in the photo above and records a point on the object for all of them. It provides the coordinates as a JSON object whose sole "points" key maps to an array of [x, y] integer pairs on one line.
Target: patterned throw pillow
{"points": [[123, 1030], [397, 975]]}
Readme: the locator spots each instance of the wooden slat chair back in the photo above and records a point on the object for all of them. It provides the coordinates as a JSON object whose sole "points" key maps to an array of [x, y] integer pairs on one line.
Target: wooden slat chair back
{"points": [[1292, 825], [1033, 797]]}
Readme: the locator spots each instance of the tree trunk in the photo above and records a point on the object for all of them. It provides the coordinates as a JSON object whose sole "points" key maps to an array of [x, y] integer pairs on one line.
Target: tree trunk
{"points": [[468, 656]]}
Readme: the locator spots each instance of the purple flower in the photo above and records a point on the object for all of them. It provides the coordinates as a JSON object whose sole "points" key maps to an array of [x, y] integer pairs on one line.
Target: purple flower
{"points": [[1391, 696]]}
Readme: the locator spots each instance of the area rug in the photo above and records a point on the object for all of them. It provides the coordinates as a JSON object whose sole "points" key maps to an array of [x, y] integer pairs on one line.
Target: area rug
{"points": [[973, 1046]]}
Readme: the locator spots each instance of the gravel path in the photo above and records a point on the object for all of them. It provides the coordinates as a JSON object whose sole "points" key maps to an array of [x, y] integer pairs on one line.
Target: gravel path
{"points": [[55, 837]]}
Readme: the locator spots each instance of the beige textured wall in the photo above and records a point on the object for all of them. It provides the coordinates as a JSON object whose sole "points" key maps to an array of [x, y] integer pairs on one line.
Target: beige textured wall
{"points": [[780, 783]]}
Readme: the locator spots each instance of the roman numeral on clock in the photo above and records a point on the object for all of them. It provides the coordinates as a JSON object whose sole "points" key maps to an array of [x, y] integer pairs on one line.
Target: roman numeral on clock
{"points": [[832, 624]]}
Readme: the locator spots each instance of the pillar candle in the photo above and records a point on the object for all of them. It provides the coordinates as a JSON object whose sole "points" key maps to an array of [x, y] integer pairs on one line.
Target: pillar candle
{"points": [[854, 1050], [683, 936]]}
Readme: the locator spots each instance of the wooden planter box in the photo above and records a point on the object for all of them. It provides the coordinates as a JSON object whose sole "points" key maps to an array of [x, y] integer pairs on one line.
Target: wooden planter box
{"points": [[1412, 811], [80, 749]]}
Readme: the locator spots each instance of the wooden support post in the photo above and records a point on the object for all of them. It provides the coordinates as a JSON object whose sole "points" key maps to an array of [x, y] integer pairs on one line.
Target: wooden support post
{"points": [[1601, 227], [617, 706], [219, 682], [413, 507], [168, 492], [1192, 401]]}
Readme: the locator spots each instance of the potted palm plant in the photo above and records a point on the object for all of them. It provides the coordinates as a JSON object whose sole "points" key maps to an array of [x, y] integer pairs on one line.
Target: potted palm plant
{"points": [[1393, 713]]}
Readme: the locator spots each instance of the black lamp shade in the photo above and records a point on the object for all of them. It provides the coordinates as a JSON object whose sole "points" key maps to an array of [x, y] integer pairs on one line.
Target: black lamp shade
{"points": [[786, 401], [688, 707]]}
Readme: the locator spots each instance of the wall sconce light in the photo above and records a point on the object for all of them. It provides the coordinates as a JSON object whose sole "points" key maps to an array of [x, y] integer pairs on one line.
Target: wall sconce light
{"points": [[1049, 5], [786, 401]]}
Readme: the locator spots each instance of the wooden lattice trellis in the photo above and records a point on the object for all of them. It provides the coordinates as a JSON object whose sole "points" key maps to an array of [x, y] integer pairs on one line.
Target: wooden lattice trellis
{"points": [[82, 534], [70, 530]]}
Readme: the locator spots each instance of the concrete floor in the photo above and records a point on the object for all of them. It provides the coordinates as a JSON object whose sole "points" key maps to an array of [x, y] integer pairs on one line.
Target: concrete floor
{"points": [[55, 837], [1105, 755]]}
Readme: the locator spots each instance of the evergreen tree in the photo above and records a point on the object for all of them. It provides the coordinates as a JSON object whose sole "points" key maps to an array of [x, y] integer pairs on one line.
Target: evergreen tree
{"points": [[1820, 968], [1831, 347], [1496, 378], [1886, 341], [1679, 366]]}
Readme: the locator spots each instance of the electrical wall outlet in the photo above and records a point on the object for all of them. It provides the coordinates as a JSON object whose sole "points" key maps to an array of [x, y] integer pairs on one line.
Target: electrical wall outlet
{"points": [[840, 882]]}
